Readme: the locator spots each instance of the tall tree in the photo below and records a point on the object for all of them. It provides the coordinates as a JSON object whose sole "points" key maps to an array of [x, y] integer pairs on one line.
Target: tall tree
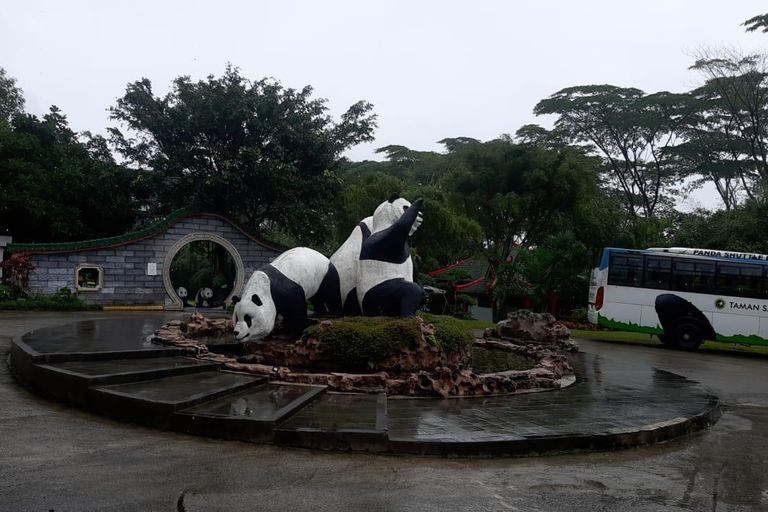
{"points": [[11, 97], [255, 150], [711, 152], [58, 187], [516, 193], [738, 85], [629, 129]]}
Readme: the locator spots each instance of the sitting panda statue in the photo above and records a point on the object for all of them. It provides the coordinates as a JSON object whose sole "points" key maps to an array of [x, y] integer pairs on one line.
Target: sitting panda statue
{"points": [[385, 271], [204, 295], [283, 288]]}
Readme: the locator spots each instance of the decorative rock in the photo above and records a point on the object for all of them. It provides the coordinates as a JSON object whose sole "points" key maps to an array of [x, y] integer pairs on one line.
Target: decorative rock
{"points": [[525, 325], [449, 376]]}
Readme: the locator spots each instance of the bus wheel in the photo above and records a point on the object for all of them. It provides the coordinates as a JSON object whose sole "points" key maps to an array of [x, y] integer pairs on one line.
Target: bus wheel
{"points": [[687, 335]]}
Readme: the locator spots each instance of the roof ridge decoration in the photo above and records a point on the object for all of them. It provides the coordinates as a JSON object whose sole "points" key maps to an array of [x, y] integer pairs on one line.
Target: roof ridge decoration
{"points": [[149, 231]]}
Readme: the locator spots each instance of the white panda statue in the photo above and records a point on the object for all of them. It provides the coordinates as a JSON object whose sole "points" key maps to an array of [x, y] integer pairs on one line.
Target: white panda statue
{"points": [[202, 298], [182, 293], [283, 288], [346, 259], [385, 284]]}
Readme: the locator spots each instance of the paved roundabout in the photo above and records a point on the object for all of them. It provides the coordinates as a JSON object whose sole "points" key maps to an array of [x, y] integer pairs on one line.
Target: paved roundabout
{"points": [[109, 367]]}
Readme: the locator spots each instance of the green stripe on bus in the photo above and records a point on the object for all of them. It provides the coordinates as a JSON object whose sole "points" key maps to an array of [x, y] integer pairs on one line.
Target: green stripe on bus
{"points": [[740, 339], [621, 326]]}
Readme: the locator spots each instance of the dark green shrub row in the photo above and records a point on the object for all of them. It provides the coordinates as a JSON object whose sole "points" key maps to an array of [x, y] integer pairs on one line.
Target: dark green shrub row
{"points": [[63, 300]]}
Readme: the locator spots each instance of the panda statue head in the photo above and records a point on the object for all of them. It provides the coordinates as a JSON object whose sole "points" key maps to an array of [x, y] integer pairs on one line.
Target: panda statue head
{"points": [[255, 313], [388, 212], [206, 293], [181, 292]]}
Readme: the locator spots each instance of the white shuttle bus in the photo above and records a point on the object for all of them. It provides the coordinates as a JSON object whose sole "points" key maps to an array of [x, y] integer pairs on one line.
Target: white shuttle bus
{"points": [[682, 295]]}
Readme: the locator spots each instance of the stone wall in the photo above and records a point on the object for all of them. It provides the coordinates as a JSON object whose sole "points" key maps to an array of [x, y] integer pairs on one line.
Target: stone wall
{"points": [[126, 279]]}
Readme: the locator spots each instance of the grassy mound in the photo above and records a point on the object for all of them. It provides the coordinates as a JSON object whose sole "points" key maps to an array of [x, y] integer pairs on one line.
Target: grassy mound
{"points": [[452, 334], [366, 340]]}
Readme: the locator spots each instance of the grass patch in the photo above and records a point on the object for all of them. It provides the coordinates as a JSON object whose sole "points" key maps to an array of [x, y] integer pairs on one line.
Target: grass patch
{"points": [[637, 338], [452, 334], [361, 341], [471, 323], [63, 300]]}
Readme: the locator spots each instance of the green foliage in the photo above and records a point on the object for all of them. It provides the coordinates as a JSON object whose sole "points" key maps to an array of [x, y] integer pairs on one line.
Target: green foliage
{"points": [[516, 193], [11, 97], [427, 280], [362, 341], [742, 229], [559, 267], [629, 129], [462, 299], [357, 340], [204, 264], [63, 300], [759, 22], [580, 315], [58, 186], [452, 335], [6, 293], [260, 152], [448, 235]]}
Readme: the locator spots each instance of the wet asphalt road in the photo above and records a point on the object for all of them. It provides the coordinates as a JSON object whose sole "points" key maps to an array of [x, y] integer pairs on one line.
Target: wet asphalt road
{"points": [[56, 458]]}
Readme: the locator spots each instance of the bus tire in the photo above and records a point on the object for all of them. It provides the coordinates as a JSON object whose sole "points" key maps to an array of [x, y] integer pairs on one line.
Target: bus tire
{"points": [[687, 335]]}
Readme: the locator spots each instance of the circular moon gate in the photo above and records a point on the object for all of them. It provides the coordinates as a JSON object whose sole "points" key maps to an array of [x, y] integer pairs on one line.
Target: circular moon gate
{"points": [[173, 302]]}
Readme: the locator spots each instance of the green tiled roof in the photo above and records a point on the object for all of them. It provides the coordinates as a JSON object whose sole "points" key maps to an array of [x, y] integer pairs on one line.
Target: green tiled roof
{"points": [[151, 230]]}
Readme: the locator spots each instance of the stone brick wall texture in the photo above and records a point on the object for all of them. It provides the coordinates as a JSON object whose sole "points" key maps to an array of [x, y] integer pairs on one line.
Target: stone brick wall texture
{"points": [[126, 282]]}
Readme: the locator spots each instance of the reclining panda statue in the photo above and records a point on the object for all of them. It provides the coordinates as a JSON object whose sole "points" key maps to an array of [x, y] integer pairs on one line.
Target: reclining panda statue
{"points": [[283, 288], [386, 270]]}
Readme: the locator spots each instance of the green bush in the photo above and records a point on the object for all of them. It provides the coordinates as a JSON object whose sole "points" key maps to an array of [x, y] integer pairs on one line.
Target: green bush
{"points": [[6, 293], [365, 340], [462, 299], [580, 315], [63, 300], [452, 335]]}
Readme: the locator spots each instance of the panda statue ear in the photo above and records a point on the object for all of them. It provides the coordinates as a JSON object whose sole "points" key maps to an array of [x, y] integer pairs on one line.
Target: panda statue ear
{"points": [[235, 299], [394, 197], [256, 300]]}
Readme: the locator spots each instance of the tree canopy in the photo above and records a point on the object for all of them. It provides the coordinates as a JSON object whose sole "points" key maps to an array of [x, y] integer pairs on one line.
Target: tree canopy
{"points": [[260, 152]]}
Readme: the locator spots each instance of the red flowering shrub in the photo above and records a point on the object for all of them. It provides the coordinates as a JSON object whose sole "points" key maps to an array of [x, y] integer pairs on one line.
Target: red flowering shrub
{"points": [[16, 272]]}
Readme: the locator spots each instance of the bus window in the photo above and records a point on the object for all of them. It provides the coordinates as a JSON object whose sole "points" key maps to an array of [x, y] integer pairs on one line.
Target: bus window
{"points": [[739, 280], [625, 270], [658, 273], [693, 276]]}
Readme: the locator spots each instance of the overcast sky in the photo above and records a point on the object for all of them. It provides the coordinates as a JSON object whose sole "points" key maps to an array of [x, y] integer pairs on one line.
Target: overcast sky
{"points": [[432, 69]]}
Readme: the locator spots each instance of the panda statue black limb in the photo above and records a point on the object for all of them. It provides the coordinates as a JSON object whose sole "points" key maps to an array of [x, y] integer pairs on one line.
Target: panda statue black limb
{"points": [[386, 269]]}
